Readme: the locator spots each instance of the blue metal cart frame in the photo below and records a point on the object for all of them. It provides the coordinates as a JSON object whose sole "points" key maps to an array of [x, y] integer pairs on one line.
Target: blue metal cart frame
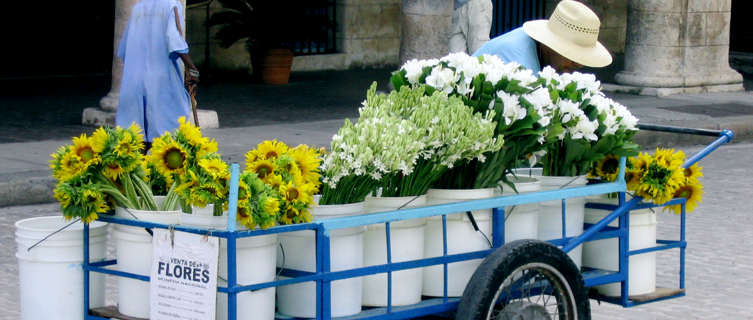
{"points": [[323, 229]]}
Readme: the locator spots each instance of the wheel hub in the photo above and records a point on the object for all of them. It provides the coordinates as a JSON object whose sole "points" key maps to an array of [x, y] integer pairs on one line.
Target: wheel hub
{"points": [[523, 310]]}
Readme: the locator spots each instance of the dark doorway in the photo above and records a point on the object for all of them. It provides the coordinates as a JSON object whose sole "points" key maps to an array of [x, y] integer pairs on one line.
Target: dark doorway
{"points": [[510, 14], [54, 38], [741, 27]]}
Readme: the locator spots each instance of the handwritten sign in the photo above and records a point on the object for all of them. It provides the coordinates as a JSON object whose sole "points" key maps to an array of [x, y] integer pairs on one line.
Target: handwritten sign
{"points": [[183, 283]]}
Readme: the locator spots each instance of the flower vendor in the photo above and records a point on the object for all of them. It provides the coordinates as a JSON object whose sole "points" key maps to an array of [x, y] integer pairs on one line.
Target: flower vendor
{"points": [[567, 41]]}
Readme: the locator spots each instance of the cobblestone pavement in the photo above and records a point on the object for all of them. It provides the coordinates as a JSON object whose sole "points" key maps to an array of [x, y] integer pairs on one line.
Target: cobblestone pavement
{"points": [[719, 261]]}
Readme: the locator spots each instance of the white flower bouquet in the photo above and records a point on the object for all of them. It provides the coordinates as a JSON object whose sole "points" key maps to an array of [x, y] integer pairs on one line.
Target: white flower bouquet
{"points": [[449, 131], [587, 125], [521, 106]]}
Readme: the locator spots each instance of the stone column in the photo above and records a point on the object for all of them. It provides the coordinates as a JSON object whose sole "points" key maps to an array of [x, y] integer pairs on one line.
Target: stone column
{"points": [[678, 46], [425, 29]]}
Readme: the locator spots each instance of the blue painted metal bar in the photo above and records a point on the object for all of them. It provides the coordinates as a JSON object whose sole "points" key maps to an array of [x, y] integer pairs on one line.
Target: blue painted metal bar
{"points": [[588, 233], [498, 227], [682, 249], [496, 202], [364, 271], [233, 200], [85, 268], [607, 233], [389, 270], [671, 245], [595, 277], [725, 136], [211, 232], [323, 250], [564, 219], [444, 254], [118, 273], [292, 273], [232, 278], [103, 263], [624, 245]]}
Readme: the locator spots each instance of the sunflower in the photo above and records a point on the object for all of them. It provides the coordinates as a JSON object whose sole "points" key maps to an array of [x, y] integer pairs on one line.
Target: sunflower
{"points": [[608, 168], [190, 132], [127, 145], [206, 147], [71, 166], [669, 158], [244, 193], [62, 194], [692, 192], [112, 170], [271, 205], [659, 183], [95, 203], [288, 216], [136, 132], [262, 168], [308, 161], [99, 139], [633, 178], [82, 147], [303, 217], [168, 156], [252, 156], [692, 173], [271, 149], [215, 167], [291, 193], [275, 181], [245, 216]]}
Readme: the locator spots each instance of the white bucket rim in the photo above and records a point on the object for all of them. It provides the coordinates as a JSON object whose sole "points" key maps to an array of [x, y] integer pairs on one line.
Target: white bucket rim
{"points": [[22, 224]]}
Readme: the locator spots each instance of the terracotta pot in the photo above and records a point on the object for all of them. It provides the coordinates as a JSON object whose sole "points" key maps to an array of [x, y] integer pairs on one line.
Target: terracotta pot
{"points": [[272, 66]]}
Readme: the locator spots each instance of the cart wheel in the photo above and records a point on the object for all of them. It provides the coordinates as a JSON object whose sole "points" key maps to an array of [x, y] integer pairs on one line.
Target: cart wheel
{"points": [[528, 279]]}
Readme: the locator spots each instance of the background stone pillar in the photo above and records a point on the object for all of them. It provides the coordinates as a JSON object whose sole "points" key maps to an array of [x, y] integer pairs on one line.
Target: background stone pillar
{"points": [[425, 29], [677, 46]]}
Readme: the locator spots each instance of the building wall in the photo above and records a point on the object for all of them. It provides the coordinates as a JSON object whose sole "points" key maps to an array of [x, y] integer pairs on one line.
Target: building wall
{"points": [[368, 35]]}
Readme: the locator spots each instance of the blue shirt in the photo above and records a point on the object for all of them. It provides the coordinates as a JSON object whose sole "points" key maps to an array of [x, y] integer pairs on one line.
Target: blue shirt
{"points": [[152, 93], [513, 46], [460, 3]]}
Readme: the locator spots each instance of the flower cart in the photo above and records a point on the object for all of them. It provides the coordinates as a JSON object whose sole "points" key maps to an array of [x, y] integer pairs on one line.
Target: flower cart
{"points": [[527, 278]]}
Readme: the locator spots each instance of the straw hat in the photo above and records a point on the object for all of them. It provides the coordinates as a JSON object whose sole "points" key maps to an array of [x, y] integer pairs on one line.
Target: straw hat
{"points": [[573, 32]]}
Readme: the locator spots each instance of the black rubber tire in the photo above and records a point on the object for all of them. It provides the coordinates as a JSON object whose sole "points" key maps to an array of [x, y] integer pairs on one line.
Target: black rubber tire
{"points": [[497, 267]]}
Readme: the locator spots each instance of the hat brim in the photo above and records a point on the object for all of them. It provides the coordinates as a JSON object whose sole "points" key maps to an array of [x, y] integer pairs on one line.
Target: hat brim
{"points": [[596, 56]]}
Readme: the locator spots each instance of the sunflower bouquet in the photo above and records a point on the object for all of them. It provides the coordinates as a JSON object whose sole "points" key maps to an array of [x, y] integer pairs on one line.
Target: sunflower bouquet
{"points": [[658, 178], [189, 164], [99, 171], [292, 174], [486, 83], [448, 132], [586, 125]]}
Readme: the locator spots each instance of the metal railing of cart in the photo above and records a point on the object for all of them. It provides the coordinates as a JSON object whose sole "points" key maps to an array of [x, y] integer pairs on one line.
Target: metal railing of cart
{"points": [[323, 276]]}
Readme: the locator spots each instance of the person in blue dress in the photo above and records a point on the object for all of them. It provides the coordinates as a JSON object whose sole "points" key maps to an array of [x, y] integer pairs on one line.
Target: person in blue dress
{"points": [[566, 41], [153, 90]]}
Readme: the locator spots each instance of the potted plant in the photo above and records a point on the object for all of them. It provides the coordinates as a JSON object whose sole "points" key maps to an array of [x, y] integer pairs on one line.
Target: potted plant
{"points": [[270, 30]]}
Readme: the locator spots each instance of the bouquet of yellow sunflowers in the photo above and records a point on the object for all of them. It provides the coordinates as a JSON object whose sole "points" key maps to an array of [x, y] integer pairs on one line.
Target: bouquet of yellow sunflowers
{"points": [[99, 171], [278, 184], [189, 164], [659, 177]]}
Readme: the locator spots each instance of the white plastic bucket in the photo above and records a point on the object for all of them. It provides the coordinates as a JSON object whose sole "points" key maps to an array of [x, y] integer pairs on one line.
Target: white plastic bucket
{"points": [[204, 218], [604, 254], [461, 238], [50, 276], [407, 243], [346, 252], [134, 254], [522, 221], [550, 215], [255, 263]]}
